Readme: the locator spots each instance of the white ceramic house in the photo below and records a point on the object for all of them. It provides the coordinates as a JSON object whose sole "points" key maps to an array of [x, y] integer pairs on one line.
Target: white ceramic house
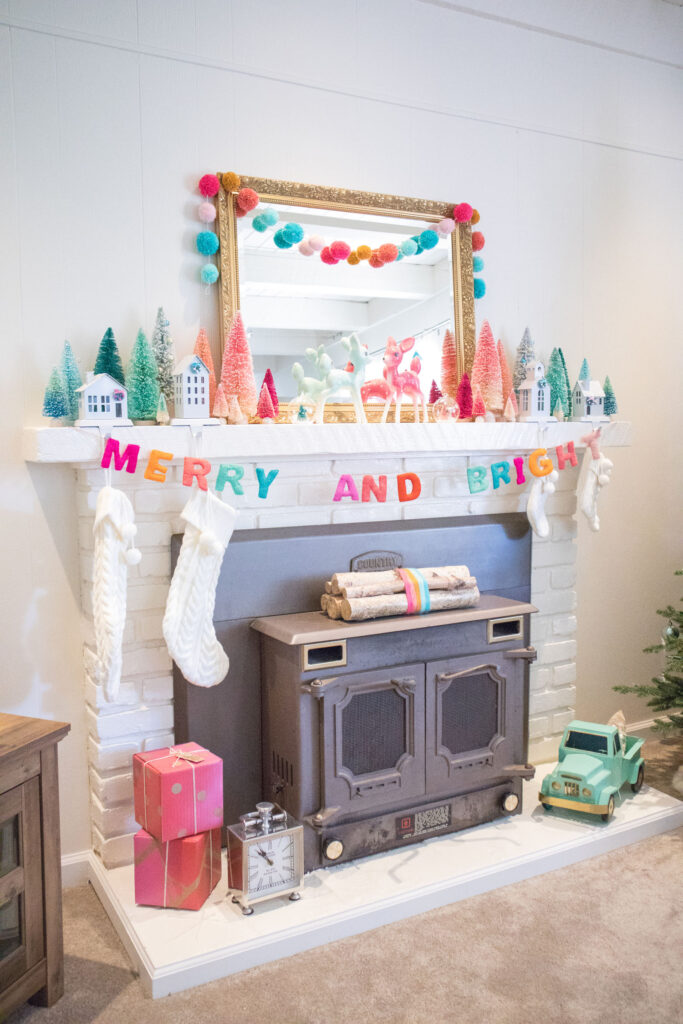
{"points": [[191, 390], [533, 395], [102, 399], [588, 401]]}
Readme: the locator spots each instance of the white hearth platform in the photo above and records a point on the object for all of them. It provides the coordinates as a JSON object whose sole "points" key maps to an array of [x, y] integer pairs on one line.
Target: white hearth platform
{"points": [[175, 950]]}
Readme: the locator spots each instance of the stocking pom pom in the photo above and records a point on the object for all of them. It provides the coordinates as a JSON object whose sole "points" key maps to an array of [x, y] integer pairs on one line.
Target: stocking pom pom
{"points": [[428, 239], [376, 261], [476, 217], [340, 250], [231, 181], [408, 247], [294, 233], [247, 199], [364, 252], [208, 544], [327, 257], [209, 185], [477, 264], [316, 243], [446, 226], [259, 223], [479, 288], [271, 217], [129, 531], [280, 240], [133, 556], [462, 213], [209, 273], [207, 243], [305, 249], [207, 212], [478, 241], [388, 252]]}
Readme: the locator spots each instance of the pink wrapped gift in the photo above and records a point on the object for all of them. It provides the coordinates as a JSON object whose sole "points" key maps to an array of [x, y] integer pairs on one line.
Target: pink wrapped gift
{"points": [[180, 874], [178, 791]]}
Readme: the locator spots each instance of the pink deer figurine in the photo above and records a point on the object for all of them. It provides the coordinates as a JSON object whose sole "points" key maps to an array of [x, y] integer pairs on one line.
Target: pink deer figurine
{"points": [[394, 385]]}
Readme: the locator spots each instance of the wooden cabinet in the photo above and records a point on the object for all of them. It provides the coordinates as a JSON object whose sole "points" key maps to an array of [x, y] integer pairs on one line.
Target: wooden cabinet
{"points": [[31, 950]]}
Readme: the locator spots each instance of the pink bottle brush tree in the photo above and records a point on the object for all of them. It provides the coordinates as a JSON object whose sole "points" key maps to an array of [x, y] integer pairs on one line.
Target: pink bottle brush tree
{"points": [[270, 384], [265, 410], [486, 373], [203, 350], [237, 371], [505, 373], [464, 397], [449, 366]]}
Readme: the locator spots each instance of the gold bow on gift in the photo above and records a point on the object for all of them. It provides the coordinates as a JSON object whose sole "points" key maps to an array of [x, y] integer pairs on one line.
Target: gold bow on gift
{"points": [[184, 755]]}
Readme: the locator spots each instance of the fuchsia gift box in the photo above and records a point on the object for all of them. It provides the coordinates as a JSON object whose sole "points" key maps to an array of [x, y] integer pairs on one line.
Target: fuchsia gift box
{"points": [[178, 791], [180, 874]]}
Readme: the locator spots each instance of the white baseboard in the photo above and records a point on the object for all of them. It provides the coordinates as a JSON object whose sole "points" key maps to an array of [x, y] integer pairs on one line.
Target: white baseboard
{"points": [[75, 868]]}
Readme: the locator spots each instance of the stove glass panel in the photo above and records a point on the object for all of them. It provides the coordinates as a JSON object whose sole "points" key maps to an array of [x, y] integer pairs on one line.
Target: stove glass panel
{"points": [[373, 731]]}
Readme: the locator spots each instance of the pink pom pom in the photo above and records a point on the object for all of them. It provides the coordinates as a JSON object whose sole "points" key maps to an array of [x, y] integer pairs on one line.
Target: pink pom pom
{"points": [[305, 249], [376, 260], [239, 212], [316, 243], [478, 241], [463, 212], [209, 185], [388, 252], [327, 257], [207, 212], [340, 250], [445, 226], [247, 199]]}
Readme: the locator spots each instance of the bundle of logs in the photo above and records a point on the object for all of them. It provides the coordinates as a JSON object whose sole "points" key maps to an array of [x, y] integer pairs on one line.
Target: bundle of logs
{"points": [[353, 596]]}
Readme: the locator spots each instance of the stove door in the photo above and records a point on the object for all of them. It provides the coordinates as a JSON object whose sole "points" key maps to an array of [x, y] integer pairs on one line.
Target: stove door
{"points": [[373, 740], [474, 711]]}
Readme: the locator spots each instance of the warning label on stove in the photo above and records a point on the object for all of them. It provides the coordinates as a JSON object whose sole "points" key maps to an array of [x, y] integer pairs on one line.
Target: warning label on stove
{"points": [[421, 822]]}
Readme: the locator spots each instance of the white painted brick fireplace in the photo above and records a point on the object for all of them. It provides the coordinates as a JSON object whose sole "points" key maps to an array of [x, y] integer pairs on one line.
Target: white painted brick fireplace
{"points": [[301, 495]]}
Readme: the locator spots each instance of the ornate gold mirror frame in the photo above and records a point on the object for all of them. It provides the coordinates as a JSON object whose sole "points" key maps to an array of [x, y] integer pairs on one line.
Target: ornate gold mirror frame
{"points": [[369, 203]]}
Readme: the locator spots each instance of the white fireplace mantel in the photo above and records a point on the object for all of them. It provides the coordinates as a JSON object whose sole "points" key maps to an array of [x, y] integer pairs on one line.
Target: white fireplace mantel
{"points": [[84, 445]]}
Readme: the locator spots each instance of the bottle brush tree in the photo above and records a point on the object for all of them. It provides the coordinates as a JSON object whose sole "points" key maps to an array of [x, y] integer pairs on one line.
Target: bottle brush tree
{"points": [[434, 393], [265, 410], [584, 372], [558, 388], [237, 371], [219, 409], [486, 373], [108, 358], [72, 379], [162, 410], [203, 350], [270, 384], [505, 373], [610, 400], [666, 690], [567, 382], [464, 397], [56, 401], [449, 365], [162, 347], [524, 357], [143, 389], [478, 405]]}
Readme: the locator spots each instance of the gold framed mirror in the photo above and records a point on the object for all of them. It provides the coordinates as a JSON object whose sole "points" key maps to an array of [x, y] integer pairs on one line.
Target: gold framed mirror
{"points": [[292, 303]]}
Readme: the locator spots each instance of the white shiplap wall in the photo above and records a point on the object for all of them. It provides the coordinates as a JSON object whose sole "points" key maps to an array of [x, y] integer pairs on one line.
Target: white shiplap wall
{"points": [[560, 122]]}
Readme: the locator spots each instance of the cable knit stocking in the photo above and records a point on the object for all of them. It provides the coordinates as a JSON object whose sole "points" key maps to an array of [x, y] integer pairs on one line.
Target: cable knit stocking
{"points": [[188, 621], [114, 530]]}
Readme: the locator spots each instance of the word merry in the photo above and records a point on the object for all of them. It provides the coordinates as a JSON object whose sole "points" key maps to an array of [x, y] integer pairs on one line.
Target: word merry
{"points": [[193, 469]]}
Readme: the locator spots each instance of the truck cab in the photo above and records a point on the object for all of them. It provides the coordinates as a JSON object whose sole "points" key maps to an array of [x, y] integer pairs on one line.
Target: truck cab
{"points": [[594, 763]]}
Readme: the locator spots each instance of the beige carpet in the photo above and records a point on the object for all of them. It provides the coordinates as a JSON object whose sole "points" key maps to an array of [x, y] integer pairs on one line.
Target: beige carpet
{"points": [[600, 941]]}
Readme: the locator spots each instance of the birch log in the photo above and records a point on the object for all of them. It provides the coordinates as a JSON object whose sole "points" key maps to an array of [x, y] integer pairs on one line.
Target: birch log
{"points": [[356, 609], [446, 577]]}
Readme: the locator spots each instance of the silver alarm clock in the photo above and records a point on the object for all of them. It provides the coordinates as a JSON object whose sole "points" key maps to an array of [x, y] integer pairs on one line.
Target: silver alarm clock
{"points": [[265, 856]]}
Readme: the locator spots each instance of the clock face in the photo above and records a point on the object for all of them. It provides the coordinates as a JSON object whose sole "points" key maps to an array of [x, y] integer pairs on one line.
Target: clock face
{"points": [[272, 864]]}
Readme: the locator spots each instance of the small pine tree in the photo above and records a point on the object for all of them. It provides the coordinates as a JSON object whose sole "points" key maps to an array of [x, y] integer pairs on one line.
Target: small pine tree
{"points": [[163, 416], [72, 379], [162, 346], [235, 414], [511, 412], [666, 691], [610, 400], [584, 372], [449, 365], [558, 389], [464, 397], [237, 371], [557, 411], [486, 373], [56, 400], [567, 382], [270, 384], [265, 410], [220, 405], [434, 393], [524, 358], [108, 358], [505, 374], [143, 389], [478, 405], [203, 350]]}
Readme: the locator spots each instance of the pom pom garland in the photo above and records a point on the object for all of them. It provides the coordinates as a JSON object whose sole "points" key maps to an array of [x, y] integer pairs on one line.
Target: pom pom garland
{"points": [[353, 258], [305, 248], [364, 252], [476, 217], [376, 260], [207, 243], [477, 264], [259, 223], [294, 233], [209, 185], [388, 252], [270, 216], [445, 226], [327, 257], [247, 199], [478, 241], [316, 243], [280, 240], [479, 288], [231, 181], [340, 250], [207, 212], [462, 213], [239, 212], [408, 247], [428, 239], [209, 273]]}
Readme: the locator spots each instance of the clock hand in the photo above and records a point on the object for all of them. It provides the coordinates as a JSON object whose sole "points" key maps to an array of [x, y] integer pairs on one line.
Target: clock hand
{"points": [[262, 853]]}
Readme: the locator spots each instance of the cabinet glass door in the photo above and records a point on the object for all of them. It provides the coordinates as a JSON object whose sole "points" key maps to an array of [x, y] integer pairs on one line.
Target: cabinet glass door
{"points": [[21, 931]]}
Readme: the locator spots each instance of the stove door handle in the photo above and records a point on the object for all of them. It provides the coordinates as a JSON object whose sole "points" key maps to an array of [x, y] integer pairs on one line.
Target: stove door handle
{"points": [[526, 653]]}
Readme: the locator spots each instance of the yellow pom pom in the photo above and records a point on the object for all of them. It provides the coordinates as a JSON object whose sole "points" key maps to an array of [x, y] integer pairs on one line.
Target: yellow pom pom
{"points": [[230, 181], [475, 218], [353, 258], [363, 252]]}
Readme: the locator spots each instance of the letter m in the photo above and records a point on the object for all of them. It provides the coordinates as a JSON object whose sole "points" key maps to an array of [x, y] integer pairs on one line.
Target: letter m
{"points": [[127, 460]]}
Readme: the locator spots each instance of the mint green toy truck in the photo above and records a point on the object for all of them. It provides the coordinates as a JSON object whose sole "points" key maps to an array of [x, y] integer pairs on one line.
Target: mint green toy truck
{"points": [[593, 766]]}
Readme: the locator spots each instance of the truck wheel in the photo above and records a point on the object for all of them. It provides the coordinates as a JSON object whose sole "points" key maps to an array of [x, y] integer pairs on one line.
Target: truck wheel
{"points": [[546, 807], [610, 809], [638, 784]]}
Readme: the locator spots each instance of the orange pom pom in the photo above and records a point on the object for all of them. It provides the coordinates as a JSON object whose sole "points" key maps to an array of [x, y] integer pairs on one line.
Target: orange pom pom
{"points": [[478, 241], [364, 252], [353, 258], [475, 218], [230, 181], [376, 260], [388, 252]]}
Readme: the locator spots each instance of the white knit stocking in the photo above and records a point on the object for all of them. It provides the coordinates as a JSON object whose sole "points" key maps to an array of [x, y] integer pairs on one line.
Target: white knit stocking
{"points": [[188, 621]]}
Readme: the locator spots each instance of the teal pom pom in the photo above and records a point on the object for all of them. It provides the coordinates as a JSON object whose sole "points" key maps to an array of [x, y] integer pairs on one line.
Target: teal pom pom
{"points": [[293, 233], [419, 249], [428, 239], [259, 223], [399, 257], [408, 247], [479, 288], [280, 240], [207, 243], [209, 273], [477, 264], [270, 216]]}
